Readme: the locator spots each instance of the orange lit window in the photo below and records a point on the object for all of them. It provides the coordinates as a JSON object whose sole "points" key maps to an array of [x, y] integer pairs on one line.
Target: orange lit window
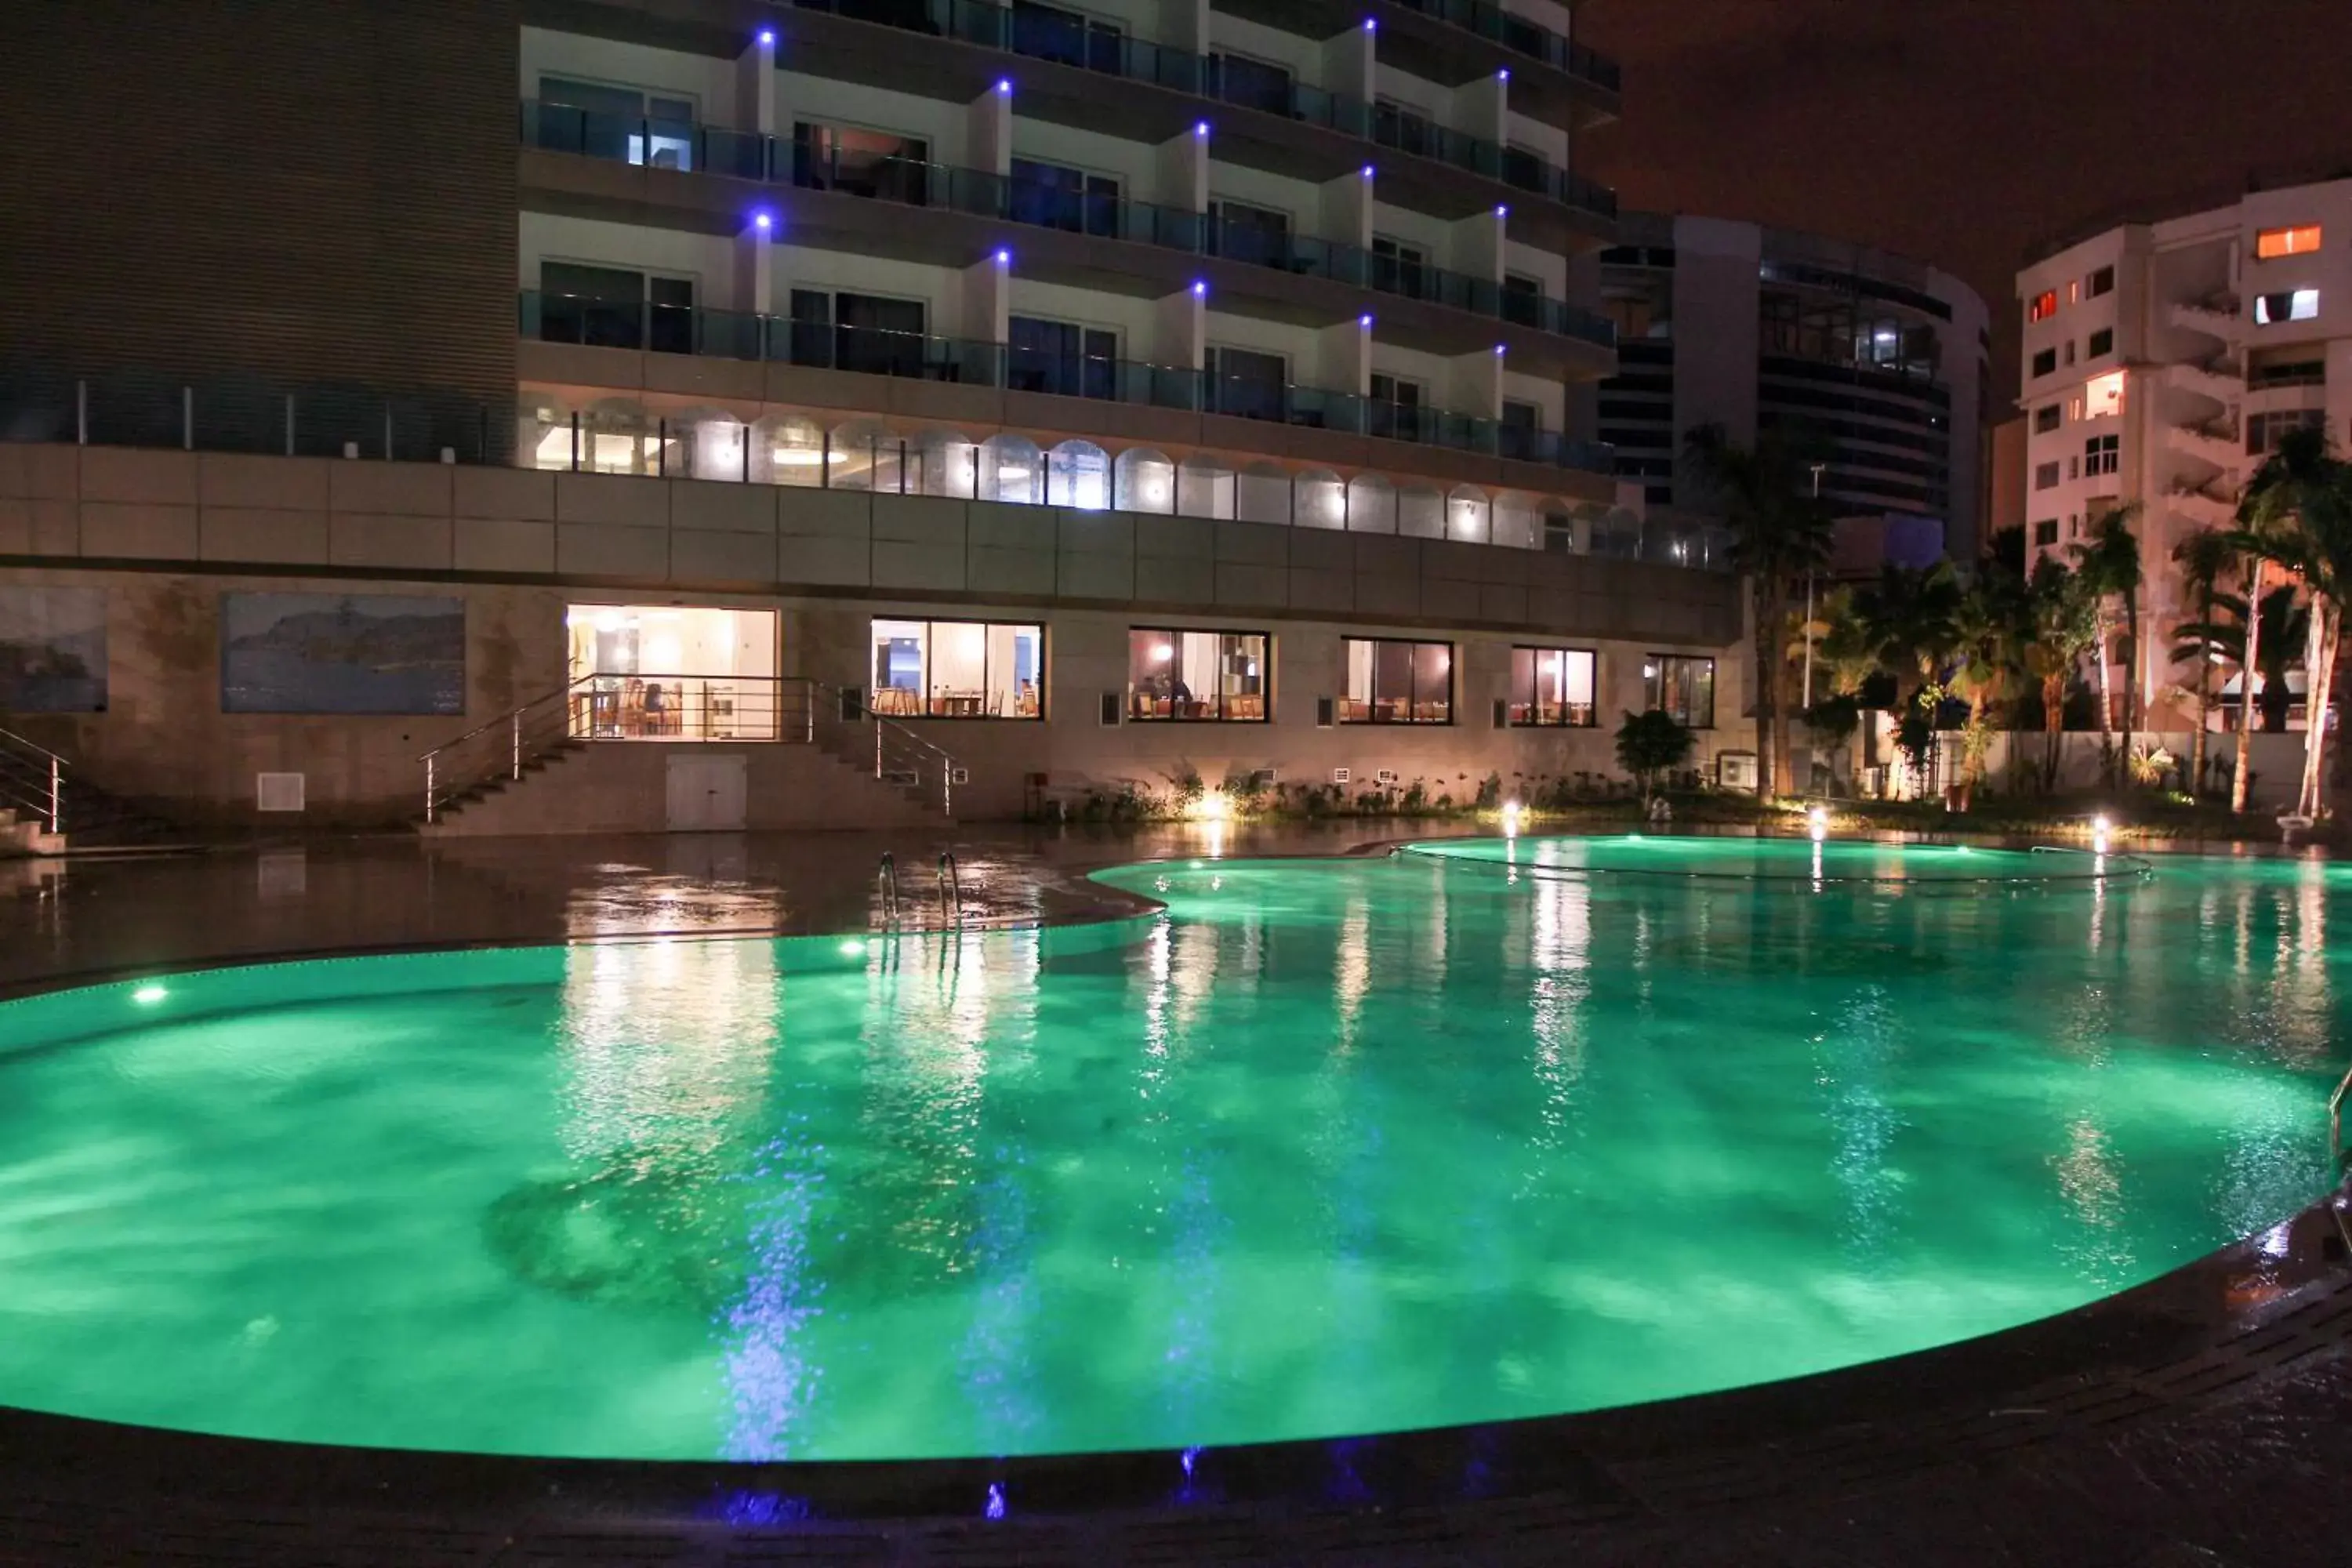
{"points": [[2104, 394], [2300, 240], [2044, 306]]}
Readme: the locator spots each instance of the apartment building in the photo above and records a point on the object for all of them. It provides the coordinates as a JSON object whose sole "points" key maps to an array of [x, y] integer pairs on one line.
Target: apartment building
{"points": [[2162, 361], [1055, 399], [1880, 359]]}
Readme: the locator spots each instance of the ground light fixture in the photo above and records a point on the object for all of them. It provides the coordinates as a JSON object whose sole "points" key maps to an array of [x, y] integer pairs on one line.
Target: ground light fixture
{"points": [[2101, 831], [1817, 823], [1510, 819], [1213, 806], [149, 995]]}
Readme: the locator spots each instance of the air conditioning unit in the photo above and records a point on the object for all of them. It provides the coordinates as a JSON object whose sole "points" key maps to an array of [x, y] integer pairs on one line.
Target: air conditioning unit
{"points": [[959, 776], [1385, 777], [279, 791], [1342, 776], [1265, 778], [1736, 770]]}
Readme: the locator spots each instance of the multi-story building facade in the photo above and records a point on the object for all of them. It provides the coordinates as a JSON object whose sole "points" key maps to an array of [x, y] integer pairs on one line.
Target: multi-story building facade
{"points": [[1094, 395], [1879, 359], [2162, 361]]}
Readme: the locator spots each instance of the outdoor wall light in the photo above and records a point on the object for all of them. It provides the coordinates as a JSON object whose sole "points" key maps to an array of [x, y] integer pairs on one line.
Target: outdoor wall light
{"points": [[768, 36]]}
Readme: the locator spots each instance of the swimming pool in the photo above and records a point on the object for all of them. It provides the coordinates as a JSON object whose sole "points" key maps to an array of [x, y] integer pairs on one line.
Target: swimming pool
{"points": [[1479, 1132]]}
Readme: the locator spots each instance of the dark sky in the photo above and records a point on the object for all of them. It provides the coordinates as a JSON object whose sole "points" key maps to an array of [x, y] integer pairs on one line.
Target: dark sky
{"points": [[1961, 131]]}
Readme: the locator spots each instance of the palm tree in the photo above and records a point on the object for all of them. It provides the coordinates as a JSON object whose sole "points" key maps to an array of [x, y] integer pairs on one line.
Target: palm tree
{"points": [[2062, 622], [1989, 625], [2109, 564], [2204, 558], [2297, 515], [1778, 532], [1912, 615], [2222, 639]]}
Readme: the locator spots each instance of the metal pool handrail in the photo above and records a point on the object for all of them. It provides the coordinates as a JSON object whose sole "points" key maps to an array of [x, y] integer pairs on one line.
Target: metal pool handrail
{"points": [[2336, 1116], [950, 888], [886, 874]]}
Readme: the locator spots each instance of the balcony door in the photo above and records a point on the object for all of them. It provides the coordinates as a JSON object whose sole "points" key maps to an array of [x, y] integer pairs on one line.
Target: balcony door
{"points": [[1071, 38], [1071, 200], [1248, 384], [861, 333], [617, 122], [1249, 234], [614, 308], [1062, 357], [858, 163]]}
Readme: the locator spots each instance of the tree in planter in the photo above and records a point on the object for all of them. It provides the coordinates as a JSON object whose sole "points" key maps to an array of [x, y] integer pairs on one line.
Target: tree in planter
{"points": [[2108, 560], [2301, 501], [2061, 623], [2204, 558], [1778, 533], [1651, 744]]}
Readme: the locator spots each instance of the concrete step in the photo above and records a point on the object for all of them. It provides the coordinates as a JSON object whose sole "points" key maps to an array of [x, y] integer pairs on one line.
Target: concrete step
{"points": [[622, 787], [19, 839]]}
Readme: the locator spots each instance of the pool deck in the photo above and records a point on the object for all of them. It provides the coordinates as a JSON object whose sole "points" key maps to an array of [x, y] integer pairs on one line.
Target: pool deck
{"points": [[2202, 1419]]}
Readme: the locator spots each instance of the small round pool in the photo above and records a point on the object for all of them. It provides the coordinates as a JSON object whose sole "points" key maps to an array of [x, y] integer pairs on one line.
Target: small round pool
{"points": [[1324, 1146]]}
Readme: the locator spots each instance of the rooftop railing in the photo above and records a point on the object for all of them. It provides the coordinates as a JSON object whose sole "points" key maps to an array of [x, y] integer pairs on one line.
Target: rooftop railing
{"points": [[734, 335], [675, 144], [1067, 40]]}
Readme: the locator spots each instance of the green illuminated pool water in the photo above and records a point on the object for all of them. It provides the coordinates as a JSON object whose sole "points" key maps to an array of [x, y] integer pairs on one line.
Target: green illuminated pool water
{"points": [[1329, 1146]]}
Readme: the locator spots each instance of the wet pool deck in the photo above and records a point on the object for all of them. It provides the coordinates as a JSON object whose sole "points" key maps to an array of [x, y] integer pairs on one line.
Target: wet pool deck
{"points": [[2203, 1419]]}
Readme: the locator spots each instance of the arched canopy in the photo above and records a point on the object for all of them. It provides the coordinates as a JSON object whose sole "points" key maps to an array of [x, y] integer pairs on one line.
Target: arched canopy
{"points": [[1144, 480]]}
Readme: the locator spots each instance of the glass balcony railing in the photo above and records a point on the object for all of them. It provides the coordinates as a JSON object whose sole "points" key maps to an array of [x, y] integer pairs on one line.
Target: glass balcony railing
{"points": [[776, 339], [1069, 39], [679, 145], [1523, 37]]}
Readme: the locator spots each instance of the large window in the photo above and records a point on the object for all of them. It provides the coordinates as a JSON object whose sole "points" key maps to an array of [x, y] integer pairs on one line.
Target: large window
{"points": [[2295, 305], [1552, 687], [1396, 682], [1682, 686], [2102, 454], [669, 672], [1197, 676], [2299, 239], [959, 669], [2043, 306], [2046, 362], [2263, 431]]}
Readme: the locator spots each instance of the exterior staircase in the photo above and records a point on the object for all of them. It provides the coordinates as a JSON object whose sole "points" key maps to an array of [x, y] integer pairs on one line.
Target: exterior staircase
{"points": [[2202, 507], [2214, 317], [2217, 381], [2216, 444], [825, 763], [47, 808]]}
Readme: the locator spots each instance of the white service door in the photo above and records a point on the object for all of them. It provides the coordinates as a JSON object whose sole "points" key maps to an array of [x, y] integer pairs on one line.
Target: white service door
{"points": [[706, 794]]}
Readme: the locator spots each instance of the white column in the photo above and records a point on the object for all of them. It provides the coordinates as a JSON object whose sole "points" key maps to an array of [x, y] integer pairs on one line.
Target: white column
{"points": [[988, 130], [1483, 108], [1475, 383], [1343, 356], [1179, 328], [1184, 25], [1346, 208], [1475, 245], [1184, 169], [987, 296], [1347, 63], [754, 264], [755, 84]]}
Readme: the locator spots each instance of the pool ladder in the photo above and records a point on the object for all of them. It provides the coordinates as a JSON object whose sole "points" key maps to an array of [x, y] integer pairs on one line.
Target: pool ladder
{"points": [[886, 879], [2335, 1117]]}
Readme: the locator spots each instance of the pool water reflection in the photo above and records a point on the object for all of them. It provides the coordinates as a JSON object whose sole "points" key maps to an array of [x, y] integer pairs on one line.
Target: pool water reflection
{"points": [[1327, 1146]]}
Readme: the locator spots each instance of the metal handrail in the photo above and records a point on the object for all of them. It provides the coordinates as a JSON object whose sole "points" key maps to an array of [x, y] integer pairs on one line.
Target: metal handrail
{"points": [[886, 874], [950, 888], [49, 801], [887, 730], [2336, 1116]]}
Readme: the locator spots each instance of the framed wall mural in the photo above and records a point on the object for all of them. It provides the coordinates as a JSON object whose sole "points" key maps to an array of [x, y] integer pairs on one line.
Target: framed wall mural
{"points": [[52, 649], [342, 653]]}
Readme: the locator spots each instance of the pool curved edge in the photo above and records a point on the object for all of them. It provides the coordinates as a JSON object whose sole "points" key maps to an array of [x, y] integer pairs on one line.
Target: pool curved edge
{"points": [[2212, 1332], [2055, 1391]]}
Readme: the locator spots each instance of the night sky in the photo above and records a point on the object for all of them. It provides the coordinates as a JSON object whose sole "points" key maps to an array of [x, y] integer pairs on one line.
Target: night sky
{"points": [[1962, 131]]}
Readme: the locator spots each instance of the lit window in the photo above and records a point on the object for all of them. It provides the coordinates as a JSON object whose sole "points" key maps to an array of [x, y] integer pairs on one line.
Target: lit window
{"points": [[2045, 476], [1681, 687], [1396, 682], [2104, 395], [2074, 408], [2075, 292], [2044, 306], [2299, 305], [1552, 687], [2297, 239], [959, 669], [1196, 676]]}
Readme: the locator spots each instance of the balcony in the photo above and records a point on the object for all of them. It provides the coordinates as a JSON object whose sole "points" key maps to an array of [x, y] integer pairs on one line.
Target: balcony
{"points": [[689, 148], [1106, 52], [2216, 444], [822, 346], [2216, 317], [2202, 505], [2218, 382]]}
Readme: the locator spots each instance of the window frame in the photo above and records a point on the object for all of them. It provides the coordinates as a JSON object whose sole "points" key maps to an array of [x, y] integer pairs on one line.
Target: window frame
{"points": [[1511, 695], [2102, 281], [2287, 234], [1653, 685], [2043, 306], [923, 693], [1266, 677], [2048, 417], [1373, 698], [2045, 364], [2100, 342], [2045, 532]]}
